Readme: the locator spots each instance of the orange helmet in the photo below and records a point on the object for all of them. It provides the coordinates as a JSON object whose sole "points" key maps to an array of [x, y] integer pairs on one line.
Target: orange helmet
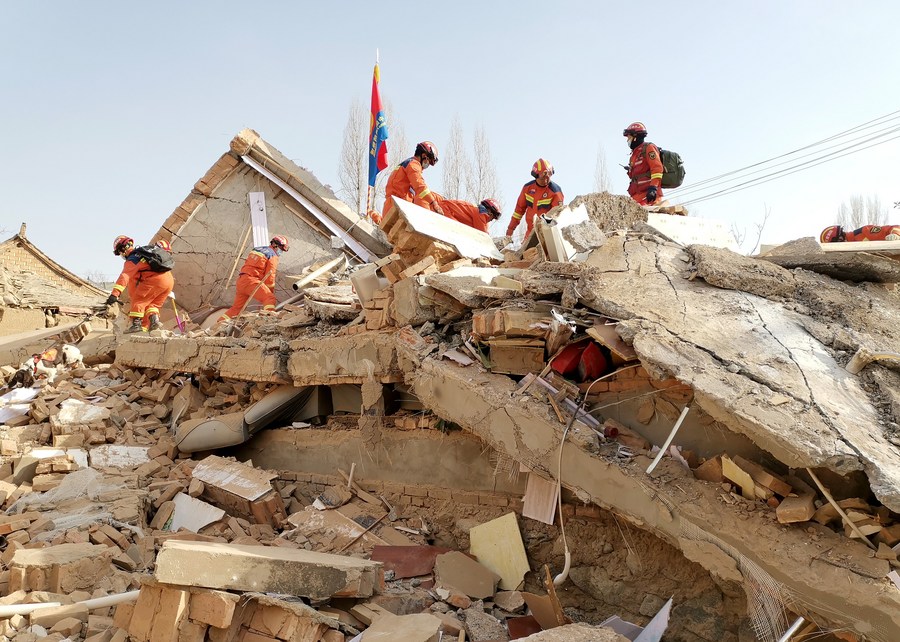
{"points": [[164, 245], [427, 148], [279, 241], [493, 209], [121, 244], [635, 129], [832, 234], [541, 165]]}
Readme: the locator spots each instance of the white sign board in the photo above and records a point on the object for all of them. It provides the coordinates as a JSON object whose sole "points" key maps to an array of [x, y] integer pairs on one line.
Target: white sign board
{"points": [[258, 219]]}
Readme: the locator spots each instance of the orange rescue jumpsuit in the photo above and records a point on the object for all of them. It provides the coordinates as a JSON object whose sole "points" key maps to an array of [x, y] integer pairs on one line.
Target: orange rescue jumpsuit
{"points": [[259, 270], [148, 289], [406, 182], [645, 168], [464, 212], [873, 233], [534, 200]]}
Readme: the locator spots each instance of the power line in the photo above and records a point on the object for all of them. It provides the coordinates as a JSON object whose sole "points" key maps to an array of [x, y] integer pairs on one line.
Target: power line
{"points": [[872, 136], [759, 181], [868, 124]]}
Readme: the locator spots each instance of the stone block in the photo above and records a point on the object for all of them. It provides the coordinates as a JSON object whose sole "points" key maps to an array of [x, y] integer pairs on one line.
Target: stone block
{"points": [[266, 569], [796, 509], [63, 568]]}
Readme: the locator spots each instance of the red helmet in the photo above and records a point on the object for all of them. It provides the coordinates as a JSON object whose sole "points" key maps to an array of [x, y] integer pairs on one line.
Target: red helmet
{"points": [[427, 148], [280, 241], [121, 244], [164, 245], [541, 165], [635, 129], [492, 207], [832, 234]]}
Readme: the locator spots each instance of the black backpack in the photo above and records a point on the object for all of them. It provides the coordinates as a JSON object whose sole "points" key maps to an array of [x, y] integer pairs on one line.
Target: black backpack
{"points": [[158, 259], [673, 168]]}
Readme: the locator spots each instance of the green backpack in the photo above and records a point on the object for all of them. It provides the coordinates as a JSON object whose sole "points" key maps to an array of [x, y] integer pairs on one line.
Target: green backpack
{"points": [[673, 168]]}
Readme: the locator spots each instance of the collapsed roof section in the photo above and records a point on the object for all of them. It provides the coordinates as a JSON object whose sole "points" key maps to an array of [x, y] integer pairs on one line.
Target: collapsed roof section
{"points": [[212, 231]]}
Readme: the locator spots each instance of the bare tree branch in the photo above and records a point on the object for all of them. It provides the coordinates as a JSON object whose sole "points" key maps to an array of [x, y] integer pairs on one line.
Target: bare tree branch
{"points": [[456, 163], [601, 175], [859, 211], [353, 167], [483, 181]]}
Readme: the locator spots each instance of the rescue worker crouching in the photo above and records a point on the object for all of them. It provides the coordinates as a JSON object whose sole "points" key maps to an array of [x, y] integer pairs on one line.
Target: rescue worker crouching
{"points": [[836, 234], [257, 278], [406, 180], [475, 216], [147, 288], [645, 167], [537, 197]]}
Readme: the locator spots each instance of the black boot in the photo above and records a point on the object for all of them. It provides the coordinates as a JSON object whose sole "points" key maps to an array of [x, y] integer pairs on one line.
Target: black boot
{"points": [[154, 322], [135, 325]]}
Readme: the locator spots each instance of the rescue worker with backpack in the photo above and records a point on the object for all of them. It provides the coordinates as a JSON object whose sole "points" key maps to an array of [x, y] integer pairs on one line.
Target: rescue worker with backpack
{"points": [[257, 278], [537, 197], [650, 168], [148, 277], [645, 167], [406, 180]]}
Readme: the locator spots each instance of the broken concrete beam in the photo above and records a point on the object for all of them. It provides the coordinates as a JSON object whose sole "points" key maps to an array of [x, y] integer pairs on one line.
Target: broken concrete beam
{"points": [[266, 569], [796, 509], [60, 569]]}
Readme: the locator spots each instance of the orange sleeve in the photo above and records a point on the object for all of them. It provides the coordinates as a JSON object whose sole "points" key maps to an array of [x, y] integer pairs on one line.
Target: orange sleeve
{"points": [[129, 272], [271, 268], [558, 199], [521, 204], [656, 166], [417, 183]]}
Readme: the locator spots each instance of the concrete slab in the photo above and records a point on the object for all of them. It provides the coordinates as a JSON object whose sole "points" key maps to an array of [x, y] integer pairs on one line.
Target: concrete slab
{"points": [[844, 261], [266, 569], [686, 230], [468, 242]]}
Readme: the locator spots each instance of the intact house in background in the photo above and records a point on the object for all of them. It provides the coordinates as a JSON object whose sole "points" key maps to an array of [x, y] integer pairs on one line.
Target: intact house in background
{"points": [[37, 292], [212, 230]]}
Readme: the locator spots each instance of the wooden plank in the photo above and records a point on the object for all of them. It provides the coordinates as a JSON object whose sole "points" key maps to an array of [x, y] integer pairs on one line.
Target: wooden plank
{"points": [[258, 219], [607, 336], [763, 477], [540, 499]]}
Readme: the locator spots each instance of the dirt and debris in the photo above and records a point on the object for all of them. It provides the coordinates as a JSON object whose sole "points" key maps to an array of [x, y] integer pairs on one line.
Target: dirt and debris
{"points": [[327, 492]]}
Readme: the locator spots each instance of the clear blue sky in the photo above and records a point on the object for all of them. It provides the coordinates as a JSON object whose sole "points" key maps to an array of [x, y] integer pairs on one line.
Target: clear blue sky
{"points": [[112, 110]]}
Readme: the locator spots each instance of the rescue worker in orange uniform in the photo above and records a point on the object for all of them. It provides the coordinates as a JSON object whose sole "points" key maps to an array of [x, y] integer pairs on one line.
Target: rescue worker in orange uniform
{"points": [[645, 168], [476, 216], [406, 180], [836, 234], [257, 277], [537, 197], [147, 288]]}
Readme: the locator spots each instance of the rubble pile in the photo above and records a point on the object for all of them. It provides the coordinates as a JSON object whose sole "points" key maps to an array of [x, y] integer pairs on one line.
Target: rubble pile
{"points": [[672, 422]]}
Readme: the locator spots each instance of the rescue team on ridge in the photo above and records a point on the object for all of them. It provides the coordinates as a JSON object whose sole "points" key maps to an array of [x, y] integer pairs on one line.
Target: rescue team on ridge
{"points": [[539, 196], [148, 278], [148, 269]]}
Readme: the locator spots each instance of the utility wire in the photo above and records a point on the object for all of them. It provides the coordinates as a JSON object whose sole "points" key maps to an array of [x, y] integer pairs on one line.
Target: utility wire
{"points": [[759, 181], [872, 136], [872, 123]]}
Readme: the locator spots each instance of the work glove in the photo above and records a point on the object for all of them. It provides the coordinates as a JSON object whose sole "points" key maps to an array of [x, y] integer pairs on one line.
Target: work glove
{"points": [[111, 299], [436, 208], [651, 194]]}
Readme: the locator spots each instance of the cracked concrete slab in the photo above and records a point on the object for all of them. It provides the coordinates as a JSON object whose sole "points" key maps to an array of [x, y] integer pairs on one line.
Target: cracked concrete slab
{"points": [[737, 351]]}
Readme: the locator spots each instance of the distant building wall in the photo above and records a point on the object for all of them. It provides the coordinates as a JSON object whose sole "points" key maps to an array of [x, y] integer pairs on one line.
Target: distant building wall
{"points": [[14, 256]]}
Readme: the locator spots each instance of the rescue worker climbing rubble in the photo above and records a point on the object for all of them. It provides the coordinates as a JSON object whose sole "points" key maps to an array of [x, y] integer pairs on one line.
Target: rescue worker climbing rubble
{"points": [[257, 278], [645, 167], [406, 180], [537, 197], [148, 281], [836, 234]]}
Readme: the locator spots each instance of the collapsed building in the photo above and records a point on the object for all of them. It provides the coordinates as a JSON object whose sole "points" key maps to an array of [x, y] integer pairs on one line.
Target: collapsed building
{"points": [[665, 426]]}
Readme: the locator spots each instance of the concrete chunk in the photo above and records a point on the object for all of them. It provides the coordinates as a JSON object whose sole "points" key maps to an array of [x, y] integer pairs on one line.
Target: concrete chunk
{"points": [[62, 569], [266, 569]]}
